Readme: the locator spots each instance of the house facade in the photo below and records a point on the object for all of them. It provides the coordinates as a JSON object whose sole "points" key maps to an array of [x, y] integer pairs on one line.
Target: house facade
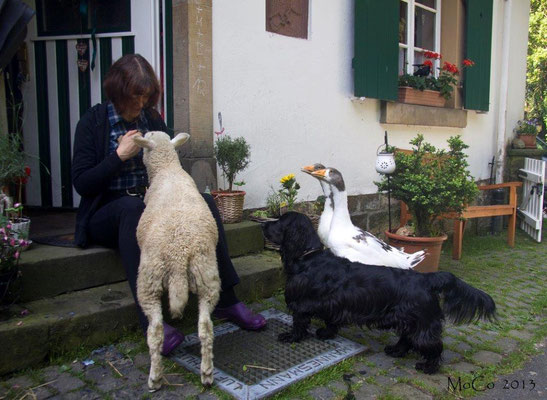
{"points": [[303, 81]]}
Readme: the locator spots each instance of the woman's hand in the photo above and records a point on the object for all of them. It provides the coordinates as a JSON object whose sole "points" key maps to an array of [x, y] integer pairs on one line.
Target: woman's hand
{"points": [[127, 148]]}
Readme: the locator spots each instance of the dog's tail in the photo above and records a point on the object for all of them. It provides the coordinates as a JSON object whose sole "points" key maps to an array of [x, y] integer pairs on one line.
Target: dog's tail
{"points": [[462, 302]]}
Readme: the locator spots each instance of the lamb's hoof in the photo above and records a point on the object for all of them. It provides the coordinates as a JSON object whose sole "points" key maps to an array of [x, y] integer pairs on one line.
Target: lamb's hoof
{"points": [[324, 334], [154, 386], [207, 380], [427, 368], [394, 351]]}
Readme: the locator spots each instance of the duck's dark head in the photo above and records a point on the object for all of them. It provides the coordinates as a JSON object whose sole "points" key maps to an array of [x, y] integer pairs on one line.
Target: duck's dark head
{"points": [[332, 176]]}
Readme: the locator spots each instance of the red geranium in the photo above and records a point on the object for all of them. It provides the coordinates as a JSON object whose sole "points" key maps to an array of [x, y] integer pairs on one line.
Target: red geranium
{"points": [[468, 63], [27, 170], [432, 54], [428, 63], [450, 68]]}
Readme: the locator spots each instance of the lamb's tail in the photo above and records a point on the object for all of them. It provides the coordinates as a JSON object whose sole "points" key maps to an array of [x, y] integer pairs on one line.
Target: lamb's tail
{"points": [[462, 302], [416, 258], [178, 293]]}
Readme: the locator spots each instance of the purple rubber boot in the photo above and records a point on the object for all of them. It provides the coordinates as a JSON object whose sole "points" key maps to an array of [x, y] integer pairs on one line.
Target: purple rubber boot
{"points": [[242, 316], [171, 339]]}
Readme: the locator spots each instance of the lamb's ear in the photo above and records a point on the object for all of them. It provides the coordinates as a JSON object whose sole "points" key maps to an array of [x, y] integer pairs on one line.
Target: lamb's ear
{"points": [[143, 142], [180, 139]]}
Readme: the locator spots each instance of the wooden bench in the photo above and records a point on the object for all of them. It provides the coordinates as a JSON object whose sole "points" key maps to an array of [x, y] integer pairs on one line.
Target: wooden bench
{"points": [[460, 219]]}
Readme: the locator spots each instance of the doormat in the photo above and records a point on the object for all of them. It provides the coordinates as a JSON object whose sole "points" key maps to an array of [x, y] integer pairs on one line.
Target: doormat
{"points": [[252, 365]]}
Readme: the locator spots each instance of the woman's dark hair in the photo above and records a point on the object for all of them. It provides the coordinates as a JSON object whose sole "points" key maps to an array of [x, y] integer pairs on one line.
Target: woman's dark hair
{"points": [[128, 77]]}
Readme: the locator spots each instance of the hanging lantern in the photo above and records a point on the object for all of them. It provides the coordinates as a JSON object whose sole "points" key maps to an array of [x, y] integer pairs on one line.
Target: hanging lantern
{"points": [[385, 161]]}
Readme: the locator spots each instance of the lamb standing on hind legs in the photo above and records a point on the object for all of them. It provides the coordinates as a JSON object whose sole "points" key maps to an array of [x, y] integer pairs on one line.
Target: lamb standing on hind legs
{"points": [[177, 236]]}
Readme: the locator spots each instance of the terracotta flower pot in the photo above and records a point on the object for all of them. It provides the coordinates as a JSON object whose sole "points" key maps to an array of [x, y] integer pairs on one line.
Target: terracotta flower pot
{"points": [[411, 244], [229, 204], [422, 97], [529, 141]]}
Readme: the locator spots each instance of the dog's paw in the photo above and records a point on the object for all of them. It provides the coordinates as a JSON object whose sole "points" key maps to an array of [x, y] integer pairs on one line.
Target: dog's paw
{"points": [[324, 333], [394, 351], [427, 368]]}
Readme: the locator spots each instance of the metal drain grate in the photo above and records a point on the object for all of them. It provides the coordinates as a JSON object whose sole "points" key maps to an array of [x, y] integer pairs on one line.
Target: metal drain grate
{"points": [[235, 351], [251, 365]]}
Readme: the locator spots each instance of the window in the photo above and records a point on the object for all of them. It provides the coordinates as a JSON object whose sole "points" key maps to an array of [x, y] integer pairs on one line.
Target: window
{"points": [[73, 17], [391, 36], [419, 31]]}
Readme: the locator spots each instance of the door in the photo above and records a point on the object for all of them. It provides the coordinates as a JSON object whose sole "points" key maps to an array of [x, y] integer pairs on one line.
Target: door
{"points": [[65, 39], [531, 209]]}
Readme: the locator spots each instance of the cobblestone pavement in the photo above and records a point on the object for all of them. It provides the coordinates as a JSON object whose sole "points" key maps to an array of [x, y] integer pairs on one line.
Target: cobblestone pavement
{"points": [[485, 354]]}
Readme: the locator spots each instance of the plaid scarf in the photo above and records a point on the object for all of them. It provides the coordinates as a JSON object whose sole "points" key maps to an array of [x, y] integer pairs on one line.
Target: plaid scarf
{"points": [[133, 171]]}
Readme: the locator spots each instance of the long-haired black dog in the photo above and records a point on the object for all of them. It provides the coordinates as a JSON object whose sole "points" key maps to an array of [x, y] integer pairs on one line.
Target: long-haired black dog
{"points": [[340, 292]]}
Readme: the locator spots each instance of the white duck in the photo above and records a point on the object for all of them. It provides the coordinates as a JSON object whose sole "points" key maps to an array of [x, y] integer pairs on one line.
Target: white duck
{"points": [[348, 241], [328, 209]]}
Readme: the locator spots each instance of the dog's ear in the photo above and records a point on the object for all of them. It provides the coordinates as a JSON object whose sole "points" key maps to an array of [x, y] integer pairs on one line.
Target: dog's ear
{"points": [[299, 235], [273, 231]]}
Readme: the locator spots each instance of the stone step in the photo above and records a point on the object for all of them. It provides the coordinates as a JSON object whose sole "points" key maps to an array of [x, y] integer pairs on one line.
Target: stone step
{"points": [[49, 271], [97, 316]]}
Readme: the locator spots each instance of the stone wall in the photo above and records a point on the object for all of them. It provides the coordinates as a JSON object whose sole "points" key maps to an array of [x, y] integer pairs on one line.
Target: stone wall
{"points": [[370, 212]]}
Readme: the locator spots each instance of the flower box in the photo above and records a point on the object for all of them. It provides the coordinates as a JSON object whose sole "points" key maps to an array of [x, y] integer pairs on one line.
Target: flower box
{"points": [[426, 97]]}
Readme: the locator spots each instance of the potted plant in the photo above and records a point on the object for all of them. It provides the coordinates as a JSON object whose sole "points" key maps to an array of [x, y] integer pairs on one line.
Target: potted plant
{"points": [[10, 250], [424, 88], [232, 156], [20, 225], [288, 192], [431, 182], [12, 162], [527, 131]]}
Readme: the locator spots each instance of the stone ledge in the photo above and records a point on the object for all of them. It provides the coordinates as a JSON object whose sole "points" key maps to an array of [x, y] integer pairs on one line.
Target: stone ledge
{"points": [[50, 271], [526, 152], [412, 114]]}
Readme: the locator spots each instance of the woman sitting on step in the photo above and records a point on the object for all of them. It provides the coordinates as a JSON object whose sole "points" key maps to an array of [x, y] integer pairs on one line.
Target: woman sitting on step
{"points": [[109, 174]]}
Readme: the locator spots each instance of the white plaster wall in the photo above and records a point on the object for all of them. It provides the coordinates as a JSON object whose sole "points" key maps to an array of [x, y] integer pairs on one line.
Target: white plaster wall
{"points": [[292, 98]]}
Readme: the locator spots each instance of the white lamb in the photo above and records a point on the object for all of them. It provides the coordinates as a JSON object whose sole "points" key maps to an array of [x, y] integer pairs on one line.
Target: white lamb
{"points": [[177, 236]]}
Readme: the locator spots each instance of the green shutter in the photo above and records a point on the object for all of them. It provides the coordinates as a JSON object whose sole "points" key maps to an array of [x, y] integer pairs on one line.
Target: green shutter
{"points": [[478, 48], [376, 51]]}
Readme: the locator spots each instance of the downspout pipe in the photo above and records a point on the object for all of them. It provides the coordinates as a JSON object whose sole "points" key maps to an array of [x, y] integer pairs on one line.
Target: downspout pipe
{"points": [[504, 88]]}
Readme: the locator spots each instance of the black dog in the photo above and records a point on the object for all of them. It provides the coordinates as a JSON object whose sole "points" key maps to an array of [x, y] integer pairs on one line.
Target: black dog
{"points": [[340, 292]]}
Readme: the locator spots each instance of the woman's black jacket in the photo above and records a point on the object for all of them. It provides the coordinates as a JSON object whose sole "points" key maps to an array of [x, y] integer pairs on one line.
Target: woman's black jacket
{"points": [[92, 166]]}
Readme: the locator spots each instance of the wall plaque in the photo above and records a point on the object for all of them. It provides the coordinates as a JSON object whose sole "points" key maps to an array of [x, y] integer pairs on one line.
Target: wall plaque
{"points": [[287, 17]]}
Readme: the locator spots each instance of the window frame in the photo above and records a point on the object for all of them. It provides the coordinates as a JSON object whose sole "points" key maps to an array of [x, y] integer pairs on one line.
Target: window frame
{"points": [[410, 29], [120, 28]]}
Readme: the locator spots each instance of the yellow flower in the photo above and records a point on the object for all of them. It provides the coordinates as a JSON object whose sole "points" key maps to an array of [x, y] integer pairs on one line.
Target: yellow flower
{"points": [[287, 178]]}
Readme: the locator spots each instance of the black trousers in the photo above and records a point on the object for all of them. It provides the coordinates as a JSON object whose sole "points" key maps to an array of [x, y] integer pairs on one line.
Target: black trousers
{"points": [[114, 225]]}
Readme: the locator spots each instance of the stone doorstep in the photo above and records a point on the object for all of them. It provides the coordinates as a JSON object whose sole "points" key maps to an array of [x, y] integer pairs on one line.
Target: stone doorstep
{"points": [[49, 271], [100, 315]]}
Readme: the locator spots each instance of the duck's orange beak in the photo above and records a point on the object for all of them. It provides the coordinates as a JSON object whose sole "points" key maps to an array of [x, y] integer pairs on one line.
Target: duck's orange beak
{"points": [[308, 169], [321, 174]]}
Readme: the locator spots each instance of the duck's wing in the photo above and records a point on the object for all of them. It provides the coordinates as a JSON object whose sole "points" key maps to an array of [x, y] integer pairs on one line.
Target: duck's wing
{"points": [[377, 252]]}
